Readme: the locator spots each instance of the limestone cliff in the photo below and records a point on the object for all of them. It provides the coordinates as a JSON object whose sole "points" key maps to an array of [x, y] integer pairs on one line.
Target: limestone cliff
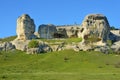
{"points": [[95, 28], [25, 27]]}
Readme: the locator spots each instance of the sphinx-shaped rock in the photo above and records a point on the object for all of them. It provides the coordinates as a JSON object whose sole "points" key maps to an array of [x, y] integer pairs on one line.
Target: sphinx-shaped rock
{"points": [[95, 28], [25, 27]]}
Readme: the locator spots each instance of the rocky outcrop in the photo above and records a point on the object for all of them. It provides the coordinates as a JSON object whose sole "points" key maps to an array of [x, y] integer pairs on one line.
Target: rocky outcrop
{"points": [[68, 31], [114, 35], [47, 31], [33, 51], [37, 35], [21, 45], [103, 49], [61, 33], [116, 47], [95, 33], [95, 28], [5, 46], [42, 48], [60, 46], [25, 27]]}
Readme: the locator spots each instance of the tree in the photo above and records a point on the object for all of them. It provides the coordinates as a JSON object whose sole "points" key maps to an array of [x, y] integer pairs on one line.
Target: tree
{"points": [[113, 28]]}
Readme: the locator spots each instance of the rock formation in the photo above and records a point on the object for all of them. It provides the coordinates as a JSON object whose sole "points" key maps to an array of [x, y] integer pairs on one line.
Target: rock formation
{"points": [[68, 31], [47, 31], [116, 47], [95, 28], [21, 45], [5, 46], [42, 48], [115, 35], [25, 27]]}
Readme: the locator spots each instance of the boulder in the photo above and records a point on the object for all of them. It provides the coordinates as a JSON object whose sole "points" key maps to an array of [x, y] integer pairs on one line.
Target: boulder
{"points": [[47, 31], [25, 27], [44, 47], [116, 47], [33, 51], [37, 35], [76, 48], [103, 49], [85, 47], [6, 46], [95, 28], [21, 45], [114, 35], [54, 47], [60, 47]]}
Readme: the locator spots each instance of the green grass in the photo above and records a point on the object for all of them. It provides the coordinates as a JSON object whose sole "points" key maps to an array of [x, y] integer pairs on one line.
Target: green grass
{"points": [[62, 65], [7, 39], [66, 40]]}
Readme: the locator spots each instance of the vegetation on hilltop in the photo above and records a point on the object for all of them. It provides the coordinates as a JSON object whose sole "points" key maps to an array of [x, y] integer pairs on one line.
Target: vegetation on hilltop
{"points": [[113, 28]]}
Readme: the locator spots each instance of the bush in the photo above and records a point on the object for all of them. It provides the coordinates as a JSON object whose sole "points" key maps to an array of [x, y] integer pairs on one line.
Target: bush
{"points": [[109, 42], [33, 44]]}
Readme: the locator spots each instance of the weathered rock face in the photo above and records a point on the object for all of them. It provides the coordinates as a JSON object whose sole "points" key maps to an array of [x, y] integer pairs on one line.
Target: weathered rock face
{"points": [[115, 35], [21, 45], [25, 27], [43, 48], [47, 31], [68, 31], [95, 28], [6, 46], [116, 47], [61, 33], [33, 51]]}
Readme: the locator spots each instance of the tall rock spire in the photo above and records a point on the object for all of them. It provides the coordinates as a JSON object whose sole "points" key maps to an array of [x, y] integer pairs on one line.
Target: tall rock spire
{"points": [[25, 27]]}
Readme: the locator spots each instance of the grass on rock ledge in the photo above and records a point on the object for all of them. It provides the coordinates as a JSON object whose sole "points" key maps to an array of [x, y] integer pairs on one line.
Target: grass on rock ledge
{"points": [[62, 65], [66, 40]]}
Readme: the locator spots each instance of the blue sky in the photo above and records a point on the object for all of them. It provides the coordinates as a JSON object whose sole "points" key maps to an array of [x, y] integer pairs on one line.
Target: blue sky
{"points": [[56, 12]]}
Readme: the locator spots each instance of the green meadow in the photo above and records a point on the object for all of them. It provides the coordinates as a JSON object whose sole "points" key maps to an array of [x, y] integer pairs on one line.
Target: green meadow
{"points": [[62, 65]]}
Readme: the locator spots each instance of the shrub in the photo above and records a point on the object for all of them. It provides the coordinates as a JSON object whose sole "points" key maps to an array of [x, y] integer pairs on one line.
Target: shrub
{"points": [[93, 38], [33, 44], [109, 42]]}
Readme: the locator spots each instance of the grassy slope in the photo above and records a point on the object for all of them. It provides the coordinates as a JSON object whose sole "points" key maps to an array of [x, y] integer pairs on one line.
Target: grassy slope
{"points": [[7, 39], [63, 65]]}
